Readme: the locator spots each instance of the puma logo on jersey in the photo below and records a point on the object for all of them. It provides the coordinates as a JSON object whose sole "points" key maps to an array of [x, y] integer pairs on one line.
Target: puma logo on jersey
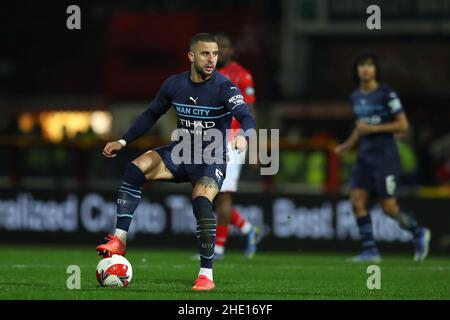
{"points": [[235, 88], [194, 100]]}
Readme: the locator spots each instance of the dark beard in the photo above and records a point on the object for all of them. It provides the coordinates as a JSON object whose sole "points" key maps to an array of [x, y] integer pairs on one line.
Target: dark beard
{"points": [[201, 72]]}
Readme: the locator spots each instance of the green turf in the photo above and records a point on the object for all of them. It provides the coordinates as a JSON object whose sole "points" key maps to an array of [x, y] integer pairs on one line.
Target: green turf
{"points": [[40, 273]]}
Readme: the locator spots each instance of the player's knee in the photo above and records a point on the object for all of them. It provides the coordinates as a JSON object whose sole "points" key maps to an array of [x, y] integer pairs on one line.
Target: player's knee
{"points": [[134, 175], [147, 162], [138, 163], [206, 187], [358, 203]]}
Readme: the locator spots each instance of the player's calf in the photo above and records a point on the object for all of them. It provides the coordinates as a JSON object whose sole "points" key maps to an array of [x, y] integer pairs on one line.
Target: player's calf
{"points": [[128, 198], [369, 250], [206, 238], [405, 221]]}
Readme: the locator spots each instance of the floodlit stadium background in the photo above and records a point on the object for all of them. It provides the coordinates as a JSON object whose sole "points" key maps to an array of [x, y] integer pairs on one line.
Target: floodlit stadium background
{"points": [[64, 93]]}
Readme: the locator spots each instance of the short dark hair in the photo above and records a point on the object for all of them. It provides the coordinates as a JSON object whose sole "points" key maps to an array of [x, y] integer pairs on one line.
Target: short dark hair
{"points": [[204, 37], [360, 59]]}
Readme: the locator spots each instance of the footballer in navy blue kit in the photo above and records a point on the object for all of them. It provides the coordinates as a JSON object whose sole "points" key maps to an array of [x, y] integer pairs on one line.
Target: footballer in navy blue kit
{"points": [[205, 102], [380, 115], [378, 166]]}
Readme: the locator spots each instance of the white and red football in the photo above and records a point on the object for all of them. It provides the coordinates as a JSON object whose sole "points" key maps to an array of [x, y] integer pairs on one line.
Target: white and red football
{"points": [[115, 271]]}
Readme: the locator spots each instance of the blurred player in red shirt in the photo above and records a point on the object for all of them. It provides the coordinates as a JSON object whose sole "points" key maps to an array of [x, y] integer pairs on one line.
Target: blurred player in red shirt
{"points": [[224, 204]]}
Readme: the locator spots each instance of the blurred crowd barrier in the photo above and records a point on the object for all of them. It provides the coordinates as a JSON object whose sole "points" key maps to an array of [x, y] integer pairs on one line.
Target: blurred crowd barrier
{"points": [[305, 166], [62, 148]]}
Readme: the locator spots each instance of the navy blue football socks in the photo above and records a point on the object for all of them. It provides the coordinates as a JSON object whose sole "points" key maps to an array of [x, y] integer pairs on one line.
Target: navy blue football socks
{"points": [[366, 232], [206, 230], [407, 222], [129, 195]]}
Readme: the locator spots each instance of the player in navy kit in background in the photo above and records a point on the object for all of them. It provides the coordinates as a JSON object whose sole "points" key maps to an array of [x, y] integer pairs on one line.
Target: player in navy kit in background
{"points": [[205, 102], [380, 115]]}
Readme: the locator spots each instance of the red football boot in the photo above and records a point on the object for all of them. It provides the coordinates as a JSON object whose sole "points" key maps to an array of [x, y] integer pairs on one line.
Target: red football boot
{"points": [[113, 246], [203, 284]]}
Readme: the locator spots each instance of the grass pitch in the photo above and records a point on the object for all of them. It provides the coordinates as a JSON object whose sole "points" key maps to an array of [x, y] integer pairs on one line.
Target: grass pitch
{"points": [[39, 272]]}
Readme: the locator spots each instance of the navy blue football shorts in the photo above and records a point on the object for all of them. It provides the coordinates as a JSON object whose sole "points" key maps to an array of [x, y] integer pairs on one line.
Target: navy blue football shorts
{"points": [[190, 172], [378, 174]]}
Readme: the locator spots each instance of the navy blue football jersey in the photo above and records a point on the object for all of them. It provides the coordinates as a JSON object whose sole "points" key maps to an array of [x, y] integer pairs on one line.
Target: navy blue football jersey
{"points": [[200, 107], [376, 107]]}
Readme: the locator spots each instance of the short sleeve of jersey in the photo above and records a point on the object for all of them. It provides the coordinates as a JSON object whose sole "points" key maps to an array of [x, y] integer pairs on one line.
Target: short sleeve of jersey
{"points": [[247, 88], [231, 96], [393, 103]]}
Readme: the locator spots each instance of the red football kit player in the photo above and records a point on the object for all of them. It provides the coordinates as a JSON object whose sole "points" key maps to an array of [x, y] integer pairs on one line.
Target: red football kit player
{"points": [[244, 81]]}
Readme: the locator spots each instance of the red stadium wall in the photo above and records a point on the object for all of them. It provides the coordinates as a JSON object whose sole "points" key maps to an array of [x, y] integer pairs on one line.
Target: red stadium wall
{"points": [[146, 48]]}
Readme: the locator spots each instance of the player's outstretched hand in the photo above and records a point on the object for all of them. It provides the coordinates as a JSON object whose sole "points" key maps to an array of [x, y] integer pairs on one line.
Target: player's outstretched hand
{"points": [[239, 143], [111, 149]]}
